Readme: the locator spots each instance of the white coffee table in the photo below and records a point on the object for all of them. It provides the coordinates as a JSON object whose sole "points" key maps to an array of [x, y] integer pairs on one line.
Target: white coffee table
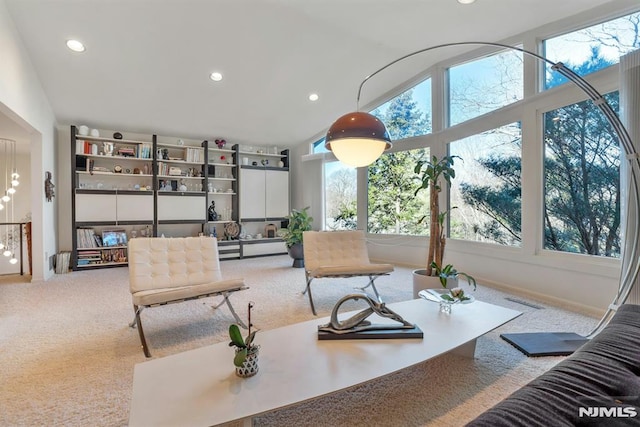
{"points": [[200, 388]]}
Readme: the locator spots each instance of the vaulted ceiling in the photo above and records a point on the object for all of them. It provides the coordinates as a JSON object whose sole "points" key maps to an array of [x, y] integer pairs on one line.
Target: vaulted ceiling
{"points": [[147, 62]]}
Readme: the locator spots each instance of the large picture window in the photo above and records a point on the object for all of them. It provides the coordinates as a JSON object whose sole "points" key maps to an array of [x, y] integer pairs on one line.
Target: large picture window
{"points": [[572, 174], [340, 197], [481, 86], [408, 114], [393, 206], [486, 192], [582, 180], [593, 48]]}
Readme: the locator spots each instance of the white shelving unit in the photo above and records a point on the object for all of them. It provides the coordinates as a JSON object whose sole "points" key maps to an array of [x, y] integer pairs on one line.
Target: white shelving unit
{"points": [[133, 186], [112, 189]]}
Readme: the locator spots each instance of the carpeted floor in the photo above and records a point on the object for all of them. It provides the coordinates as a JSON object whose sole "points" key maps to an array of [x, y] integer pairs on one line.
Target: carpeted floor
{"points": [[67, 354]]}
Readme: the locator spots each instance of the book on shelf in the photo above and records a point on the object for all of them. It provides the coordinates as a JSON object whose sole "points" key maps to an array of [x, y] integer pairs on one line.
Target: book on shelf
{"points": [[127, 151], [194, 155], [62, 262], [88, 253], [144, 151], [163, 168], [114, 255], [86, 238]]}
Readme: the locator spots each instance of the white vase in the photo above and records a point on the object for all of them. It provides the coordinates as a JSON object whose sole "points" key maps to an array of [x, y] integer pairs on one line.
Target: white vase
{"points": [[250, 365], [422, 281]]}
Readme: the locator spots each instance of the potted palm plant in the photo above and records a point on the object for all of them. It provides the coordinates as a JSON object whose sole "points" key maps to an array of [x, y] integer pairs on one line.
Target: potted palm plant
{"points": [[433, 173], [299, 222]]}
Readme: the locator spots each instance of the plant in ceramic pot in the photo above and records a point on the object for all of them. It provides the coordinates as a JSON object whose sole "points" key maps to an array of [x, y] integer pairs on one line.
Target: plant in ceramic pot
{"points": [[246, 356], [299, 222], [433, 173]]}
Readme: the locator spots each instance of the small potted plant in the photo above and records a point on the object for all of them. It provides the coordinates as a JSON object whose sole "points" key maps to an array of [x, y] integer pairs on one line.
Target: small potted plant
{"points": [[246, 356], [299, 222], [446, 275], [432, 174]]}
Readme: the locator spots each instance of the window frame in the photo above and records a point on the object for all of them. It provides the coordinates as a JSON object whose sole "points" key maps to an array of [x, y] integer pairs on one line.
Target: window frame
{"points": [[529, 112]]}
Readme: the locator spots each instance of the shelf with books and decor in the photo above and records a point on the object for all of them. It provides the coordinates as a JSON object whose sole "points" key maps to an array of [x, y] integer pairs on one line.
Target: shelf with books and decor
{"points": [[180, 189], [179, 167], [221, 176], [262, 157], [111, 189], [103, 163], [103, 245], [151, 185]]}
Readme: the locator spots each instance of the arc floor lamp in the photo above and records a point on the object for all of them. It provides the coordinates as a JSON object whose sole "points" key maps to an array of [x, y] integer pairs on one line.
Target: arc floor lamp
{"points": [[359, 138]]}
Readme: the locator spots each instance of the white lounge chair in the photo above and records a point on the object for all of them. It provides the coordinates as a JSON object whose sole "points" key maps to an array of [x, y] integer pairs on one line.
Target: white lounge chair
{"points": [[169, 270], [339, 254]]}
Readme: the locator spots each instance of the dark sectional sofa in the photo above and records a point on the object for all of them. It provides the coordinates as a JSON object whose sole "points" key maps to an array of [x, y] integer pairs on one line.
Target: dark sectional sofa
{"points": [[598, 385]]}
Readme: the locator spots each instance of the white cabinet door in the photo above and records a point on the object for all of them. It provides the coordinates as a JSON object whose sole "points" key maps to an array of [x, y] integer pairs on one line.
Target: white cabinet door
{"points": [[181, 207], [134, 207], [270, 248], [96, 207], [252, 193], [277, 194]]}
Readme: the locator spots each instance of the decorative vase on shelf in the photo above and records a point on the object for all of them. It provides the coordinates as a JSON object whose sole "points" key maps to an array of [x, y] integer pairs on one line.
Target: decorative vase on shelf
{"points": [[83, 130]]}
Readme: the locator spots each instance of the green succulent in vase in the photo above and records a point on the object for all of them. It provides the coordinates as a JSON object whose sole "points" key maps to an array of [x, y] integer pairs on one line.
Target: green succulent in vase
{"points": [[449, 272]]}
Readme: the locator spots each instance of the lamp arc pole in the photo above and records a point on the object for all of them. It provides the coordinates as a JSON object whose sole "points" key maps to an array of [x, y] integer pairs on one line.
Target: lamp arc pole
{"points": [[631, 253]]}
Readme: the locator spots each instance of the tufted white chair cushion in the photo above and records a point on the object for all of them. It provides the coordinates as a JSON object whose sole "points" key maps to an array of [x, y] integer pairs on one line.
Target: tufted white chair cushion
{"points": [[335, 253], [167, 269]]}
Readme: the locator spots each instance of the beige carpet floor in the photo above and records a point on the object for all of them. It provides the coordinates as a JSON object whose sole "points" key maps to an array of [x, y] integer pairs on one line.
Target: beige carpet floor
{"points": [[67, 354]]}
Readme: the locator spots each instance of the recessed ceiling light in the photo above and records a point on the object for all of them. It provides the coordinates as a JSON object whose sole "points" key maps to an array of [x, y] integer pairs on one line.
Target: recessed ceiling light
{"points": [[466, 1], [216, 77], [75, 45], [313, 97]]}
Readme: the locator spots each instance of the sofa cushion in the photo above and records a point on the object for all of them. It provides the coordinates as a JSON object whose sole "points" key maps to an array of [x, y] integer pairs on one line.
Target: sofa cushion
{"points": [[604, 373]]}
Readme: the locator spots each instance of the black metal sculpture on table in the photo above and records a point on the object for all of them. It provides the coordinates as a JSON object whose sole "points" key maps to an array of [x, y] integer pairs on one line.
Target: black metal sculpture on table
{"points": [[357, 326]]}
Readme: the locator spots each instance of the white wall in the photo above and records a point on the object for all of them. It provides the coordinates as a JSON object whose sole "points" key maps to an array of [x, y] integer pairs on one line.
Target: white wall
{"points": [[306, 178], [582, 283], [23, 100], [63, 193]]}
